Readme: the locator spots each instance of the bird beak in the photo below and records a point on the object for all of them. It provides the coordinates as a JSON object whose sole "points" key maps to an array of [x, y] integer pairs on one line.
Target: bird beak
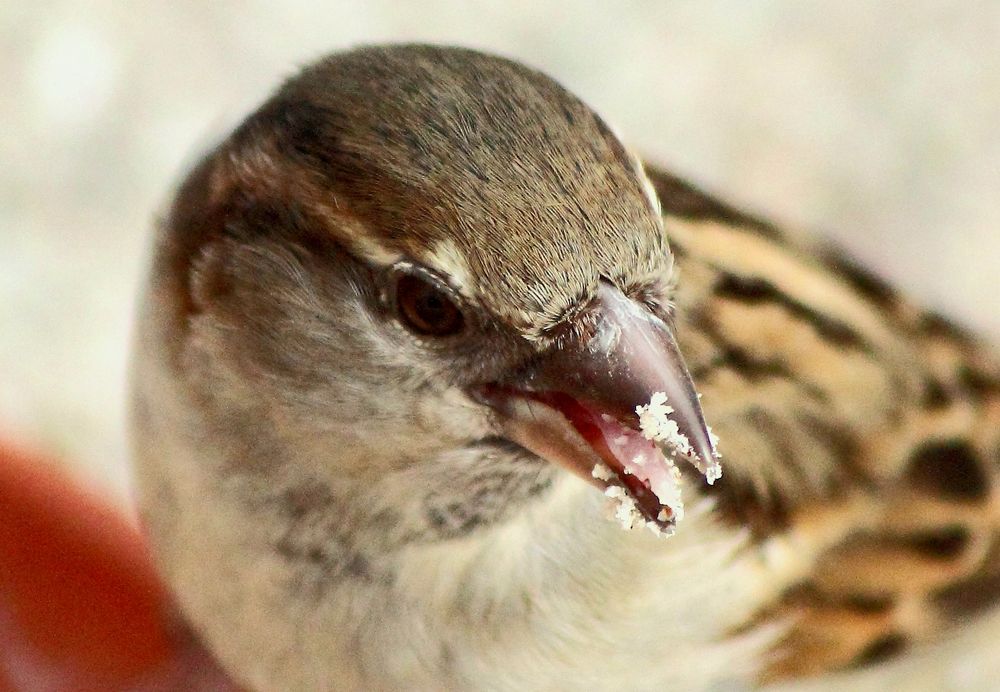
{"points": [[576, 406]]}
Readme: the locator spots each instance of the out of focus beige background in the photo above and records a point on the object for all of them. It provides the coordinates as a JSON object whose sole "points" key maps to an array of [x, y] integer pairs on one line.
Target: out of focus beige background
{"points": [[875, 122]]}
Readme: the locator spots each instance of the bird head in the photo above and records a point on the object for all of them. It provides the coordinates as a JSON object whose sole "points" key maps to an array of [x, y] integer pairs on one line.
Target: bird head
{"points": [[431, 280]]}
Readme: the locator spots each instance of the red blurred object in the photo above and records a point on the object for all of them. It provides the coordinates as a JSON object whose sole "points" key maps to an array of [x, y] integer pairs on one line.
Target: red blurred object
{"points": [[81, 606]]}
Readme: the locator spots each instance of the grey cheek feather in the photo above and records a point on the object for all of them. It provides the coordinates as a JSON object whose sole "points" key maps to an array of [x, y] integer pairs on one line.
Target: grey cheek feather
{"points": [[328, 538], [490, 480]]}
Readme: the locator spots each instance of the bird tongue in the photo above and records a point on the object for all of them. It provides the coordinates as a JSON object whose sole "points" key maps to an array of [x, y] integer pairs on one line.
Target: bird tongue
{"points": [[632, 461]]}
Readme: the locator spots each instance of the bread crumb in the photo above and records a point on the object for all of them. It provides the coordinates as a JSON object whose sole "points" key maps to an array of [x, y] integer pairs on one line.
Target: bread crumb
{"points": [[624, 507], [655, 425], [602, 473], [649, 455]]}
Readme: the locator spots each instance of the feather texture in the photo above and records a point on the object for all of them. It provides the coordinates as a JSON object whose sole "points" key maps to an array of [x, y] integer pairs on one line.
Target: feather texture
{"points": [[336, 507], [861, 437]]}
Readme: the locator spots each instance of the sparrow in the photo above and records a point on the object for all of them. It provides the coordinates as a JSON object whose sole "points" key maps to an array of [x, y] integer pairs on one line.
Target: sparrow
{"points": [[399, 325]]}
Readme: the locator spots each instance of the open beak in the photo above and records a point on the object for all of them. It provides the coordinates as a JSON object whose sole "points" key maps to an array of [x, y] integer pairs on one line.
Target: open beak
{"points": [[577, 405]]}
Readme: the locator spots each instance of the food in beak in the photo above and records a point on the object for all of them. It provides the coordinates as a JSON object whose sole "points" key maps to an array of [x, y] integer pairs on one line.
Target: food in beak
{"points": [[656, 424], [614, 403], [636, 468], [639, 469]]}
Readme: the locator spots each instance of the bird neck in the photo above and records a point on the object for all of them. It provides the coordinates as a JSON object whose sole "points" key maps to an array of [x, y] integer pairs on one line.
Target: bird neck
{"points": [[565, 577]]}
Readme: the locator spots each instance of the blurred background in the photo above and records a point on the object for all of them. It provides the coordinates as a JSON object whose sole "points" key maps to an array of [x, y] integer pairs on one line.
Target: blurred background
{"points": [[875, 123]]}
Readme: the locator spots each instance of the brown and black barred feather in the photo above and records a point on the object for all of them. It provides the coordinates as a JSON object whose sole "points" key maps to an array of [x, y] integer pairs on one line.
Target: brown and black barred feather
{"points": [[861, 437]]}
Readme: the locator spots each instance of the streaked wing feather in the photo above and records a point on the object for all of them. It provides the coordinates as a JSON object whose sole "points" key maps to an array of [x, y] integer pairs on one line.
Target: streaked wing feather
{"points": [[861, 436]]}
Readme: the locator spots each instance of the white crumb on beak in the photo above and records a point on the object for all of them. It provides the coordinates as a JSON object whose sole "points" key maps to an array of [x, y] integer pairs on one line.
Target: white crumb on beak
{"points": [[602, 473], [649, 455], [712, 437], [657, 531], [667, 489], [655, 425], [624, 507], [625, 510], [713, 469]]}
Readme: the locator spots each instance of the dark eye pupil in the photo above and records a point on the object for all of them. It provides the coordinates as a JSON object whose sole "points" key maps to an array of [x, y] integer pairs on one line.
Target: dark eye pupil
{"points": [[425, 309], [433, 305]]}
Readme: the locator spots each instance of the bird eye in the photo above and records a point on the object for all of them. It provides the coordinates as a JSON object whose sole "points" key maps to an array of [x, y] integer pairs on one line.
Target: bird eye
{"points": [[425, 309]]}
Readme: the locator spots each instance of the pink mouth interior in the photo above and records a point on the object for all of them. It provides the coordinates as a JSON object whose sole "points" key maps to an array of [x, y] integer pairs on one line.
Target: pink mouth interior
{"points": [[637, 463]]}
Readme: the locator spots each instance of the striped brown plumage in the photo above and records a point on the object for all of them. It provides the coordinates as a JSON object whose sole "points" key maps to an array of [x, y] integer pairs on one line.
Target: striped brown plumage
{"points": [[861, 436], [336, 503]]}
